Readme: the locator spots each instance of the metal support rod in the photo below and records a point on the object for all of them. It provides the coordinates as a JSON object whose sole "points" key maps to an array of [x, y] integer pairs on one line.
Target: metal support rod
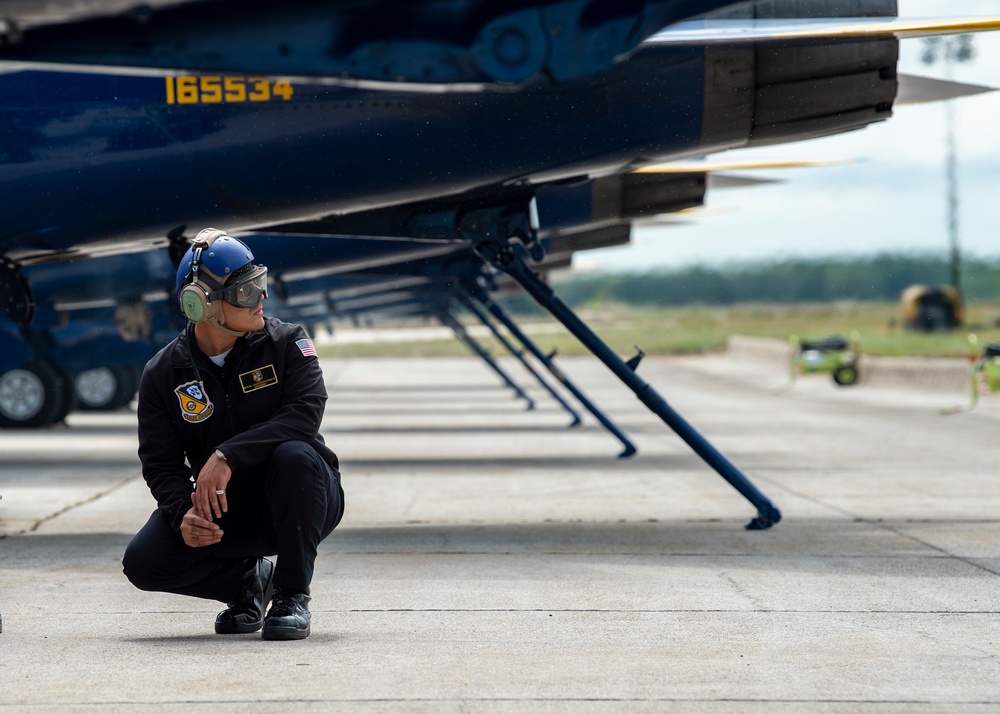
{"points": [[502, 256], [550, 365], [519, 355], [460, 332]]}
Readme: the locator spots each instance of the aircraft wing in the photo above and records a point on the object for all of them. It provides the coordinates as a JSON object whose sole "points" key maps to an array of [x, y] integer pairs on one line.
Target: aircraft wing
{"points": [[920, 90], [709, 165], [718, 31]]}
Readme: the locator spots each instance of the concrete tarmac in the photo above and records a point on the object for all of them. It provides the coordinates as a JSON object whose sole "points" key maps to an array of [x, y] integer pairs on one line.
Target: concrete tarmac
{"points": [[491, 559]]}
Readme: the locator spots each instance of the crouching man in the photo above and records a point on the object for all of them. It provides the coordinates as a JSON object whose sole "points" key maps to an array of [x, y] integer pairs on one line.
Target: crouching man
{"points": [[229, 417]]}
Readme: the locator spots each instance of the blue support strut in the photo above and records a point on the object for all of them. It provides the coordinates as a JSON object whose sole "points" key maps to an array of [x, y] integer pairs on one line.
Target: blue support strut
{"points": [[503, 256], [449, 321], [550, 365], [519, 355]]}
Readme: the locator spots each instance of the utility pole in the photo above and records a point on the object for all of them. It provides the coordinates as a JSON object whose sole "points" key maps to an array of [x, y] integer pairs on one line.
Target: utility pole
{"points": [[950, 50]]}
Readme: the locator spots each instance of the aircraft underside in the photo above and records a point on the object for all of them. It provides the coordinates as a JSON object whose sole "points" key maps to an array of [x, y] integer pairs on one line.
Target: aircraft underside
{"points": [[411, 167]]}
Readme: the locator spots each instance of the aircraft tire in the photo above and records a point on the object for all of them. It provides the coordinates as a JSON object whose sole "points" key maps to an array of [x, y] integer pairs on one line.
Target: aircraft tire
{"points": [[95, 389], [104, 388], [34, 396]]}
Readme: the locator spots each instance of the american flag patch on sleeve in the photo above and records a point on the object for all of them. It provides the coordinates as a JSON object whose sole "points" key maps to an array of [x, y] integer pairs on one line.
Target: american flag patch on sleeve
{"points": [[307, 347]]}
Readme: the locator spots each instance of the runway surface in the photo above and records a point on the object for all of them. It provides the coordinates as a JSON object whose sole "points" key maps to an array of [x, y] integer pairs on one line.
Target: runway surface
{"points": [[492, 559]]}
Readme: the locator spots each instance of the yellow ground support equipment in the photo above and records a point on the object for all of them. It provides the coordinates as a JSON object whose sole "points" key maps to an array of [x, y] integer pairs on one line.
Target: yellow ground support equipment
{"points": [[984, 373], [836, 355]]}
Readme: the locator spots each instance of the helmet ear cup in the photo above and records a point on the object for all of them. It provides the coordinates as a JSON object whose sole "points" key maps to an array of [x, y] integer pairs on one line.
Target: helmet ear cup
{"points": [[194, 302]]}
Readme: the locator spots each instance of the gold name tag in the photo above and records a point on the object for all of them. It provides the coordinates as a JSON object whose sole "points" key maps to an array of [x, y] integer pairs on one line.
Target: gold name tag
{"points": [[258, 379]]}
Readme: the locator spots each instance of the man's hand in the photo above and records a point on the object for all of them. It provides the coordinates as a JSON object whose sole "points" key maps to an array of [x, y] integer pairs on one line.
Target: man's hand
{"points": [[210, 490], [198, 531]]}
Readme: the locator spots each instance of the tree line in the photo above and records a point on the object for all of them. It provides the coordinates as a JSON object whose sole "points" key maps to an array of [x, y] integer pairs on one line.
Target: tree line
{"points": [[799, 280]]}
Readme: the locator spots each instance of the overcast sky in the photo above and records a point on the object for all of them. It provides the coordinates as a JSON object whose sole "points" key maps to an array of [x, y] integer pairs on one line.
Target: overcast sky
{"points": [[891, 197]]}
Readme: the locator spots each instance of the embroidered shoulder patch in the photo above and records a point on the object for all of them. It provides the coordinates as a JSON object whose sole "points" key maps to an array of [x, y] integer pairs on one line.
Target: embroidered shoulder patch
{"points": [[195, 404], [307, 347], [258, 379]]}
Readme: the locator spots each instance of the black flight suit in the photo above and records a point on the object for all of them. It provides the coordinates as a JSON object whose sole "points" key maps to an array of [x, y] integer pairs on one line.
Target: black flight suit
{"points": [[263, 410]]}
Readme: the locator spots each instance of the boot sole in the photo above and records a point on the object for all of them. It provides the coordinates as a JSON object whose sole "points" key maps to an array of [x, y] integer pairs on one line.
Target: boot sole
{"points": [[285, 633], [238, 629]]}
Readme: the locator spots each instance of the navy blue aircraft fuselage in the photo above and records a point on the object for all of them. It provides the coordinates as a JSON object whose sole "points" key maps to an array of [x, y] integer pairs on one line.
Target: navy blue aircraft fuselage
{"points": [[111, 159]]}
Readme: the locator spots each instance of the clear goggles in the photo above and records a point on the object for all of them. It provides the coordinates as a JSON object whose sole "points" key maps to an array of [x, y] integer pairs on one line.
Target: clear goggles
{"points": [[248, 291]]}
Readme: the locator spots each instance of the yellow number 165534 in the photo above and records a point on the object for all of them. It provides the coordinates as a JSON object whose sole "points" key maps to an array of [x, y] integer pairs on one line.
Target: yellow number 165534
{"points": [[229, 90]]}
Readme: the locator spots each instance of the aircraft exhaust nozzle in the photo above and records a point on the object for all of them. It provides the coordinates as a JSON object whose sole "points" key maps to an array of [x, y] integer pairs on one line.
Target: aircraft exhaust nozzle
{"points": [[764, 93]]}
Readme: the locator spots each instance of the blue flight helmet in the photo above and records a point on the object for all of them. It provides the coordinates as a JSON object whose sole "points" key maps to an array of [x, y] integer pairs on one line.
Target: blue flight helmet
{"points": [[218, 268]]}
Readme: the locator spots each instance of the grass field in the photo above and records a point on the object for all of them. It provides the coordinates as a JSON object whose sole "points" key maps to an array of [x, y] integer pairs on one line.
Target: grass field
{"points": [[706, 329]]}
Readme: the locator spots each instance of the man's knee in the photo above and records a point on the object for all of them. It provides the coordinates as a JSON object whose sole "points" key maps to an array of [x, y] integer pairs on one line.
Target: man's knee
{"points": [[297, 470], [136, 566], [292, 454], [150, 561], [297, 462]]}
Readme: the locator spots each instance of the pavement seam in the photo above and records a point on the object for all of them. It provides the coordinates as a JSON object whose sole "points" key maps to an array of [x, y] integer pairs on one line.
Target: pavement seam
{"points": [[883, 526], [573, 611], [686, 611], [444, 700], [66, 509]]}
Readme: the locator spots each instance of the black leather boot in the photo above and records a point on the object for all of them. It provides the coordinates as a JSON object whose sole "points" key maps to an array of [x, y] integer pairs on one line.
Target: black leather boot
{"points": [[247, 613], [288, 618]]}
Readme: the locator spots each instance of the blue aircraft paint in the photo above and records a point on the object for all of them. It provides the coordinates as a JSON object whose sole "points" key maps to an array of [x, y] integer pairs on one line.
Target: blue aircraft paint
{"points": [[114, 277], [98, 158], [385, 41], [16, 352]]}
